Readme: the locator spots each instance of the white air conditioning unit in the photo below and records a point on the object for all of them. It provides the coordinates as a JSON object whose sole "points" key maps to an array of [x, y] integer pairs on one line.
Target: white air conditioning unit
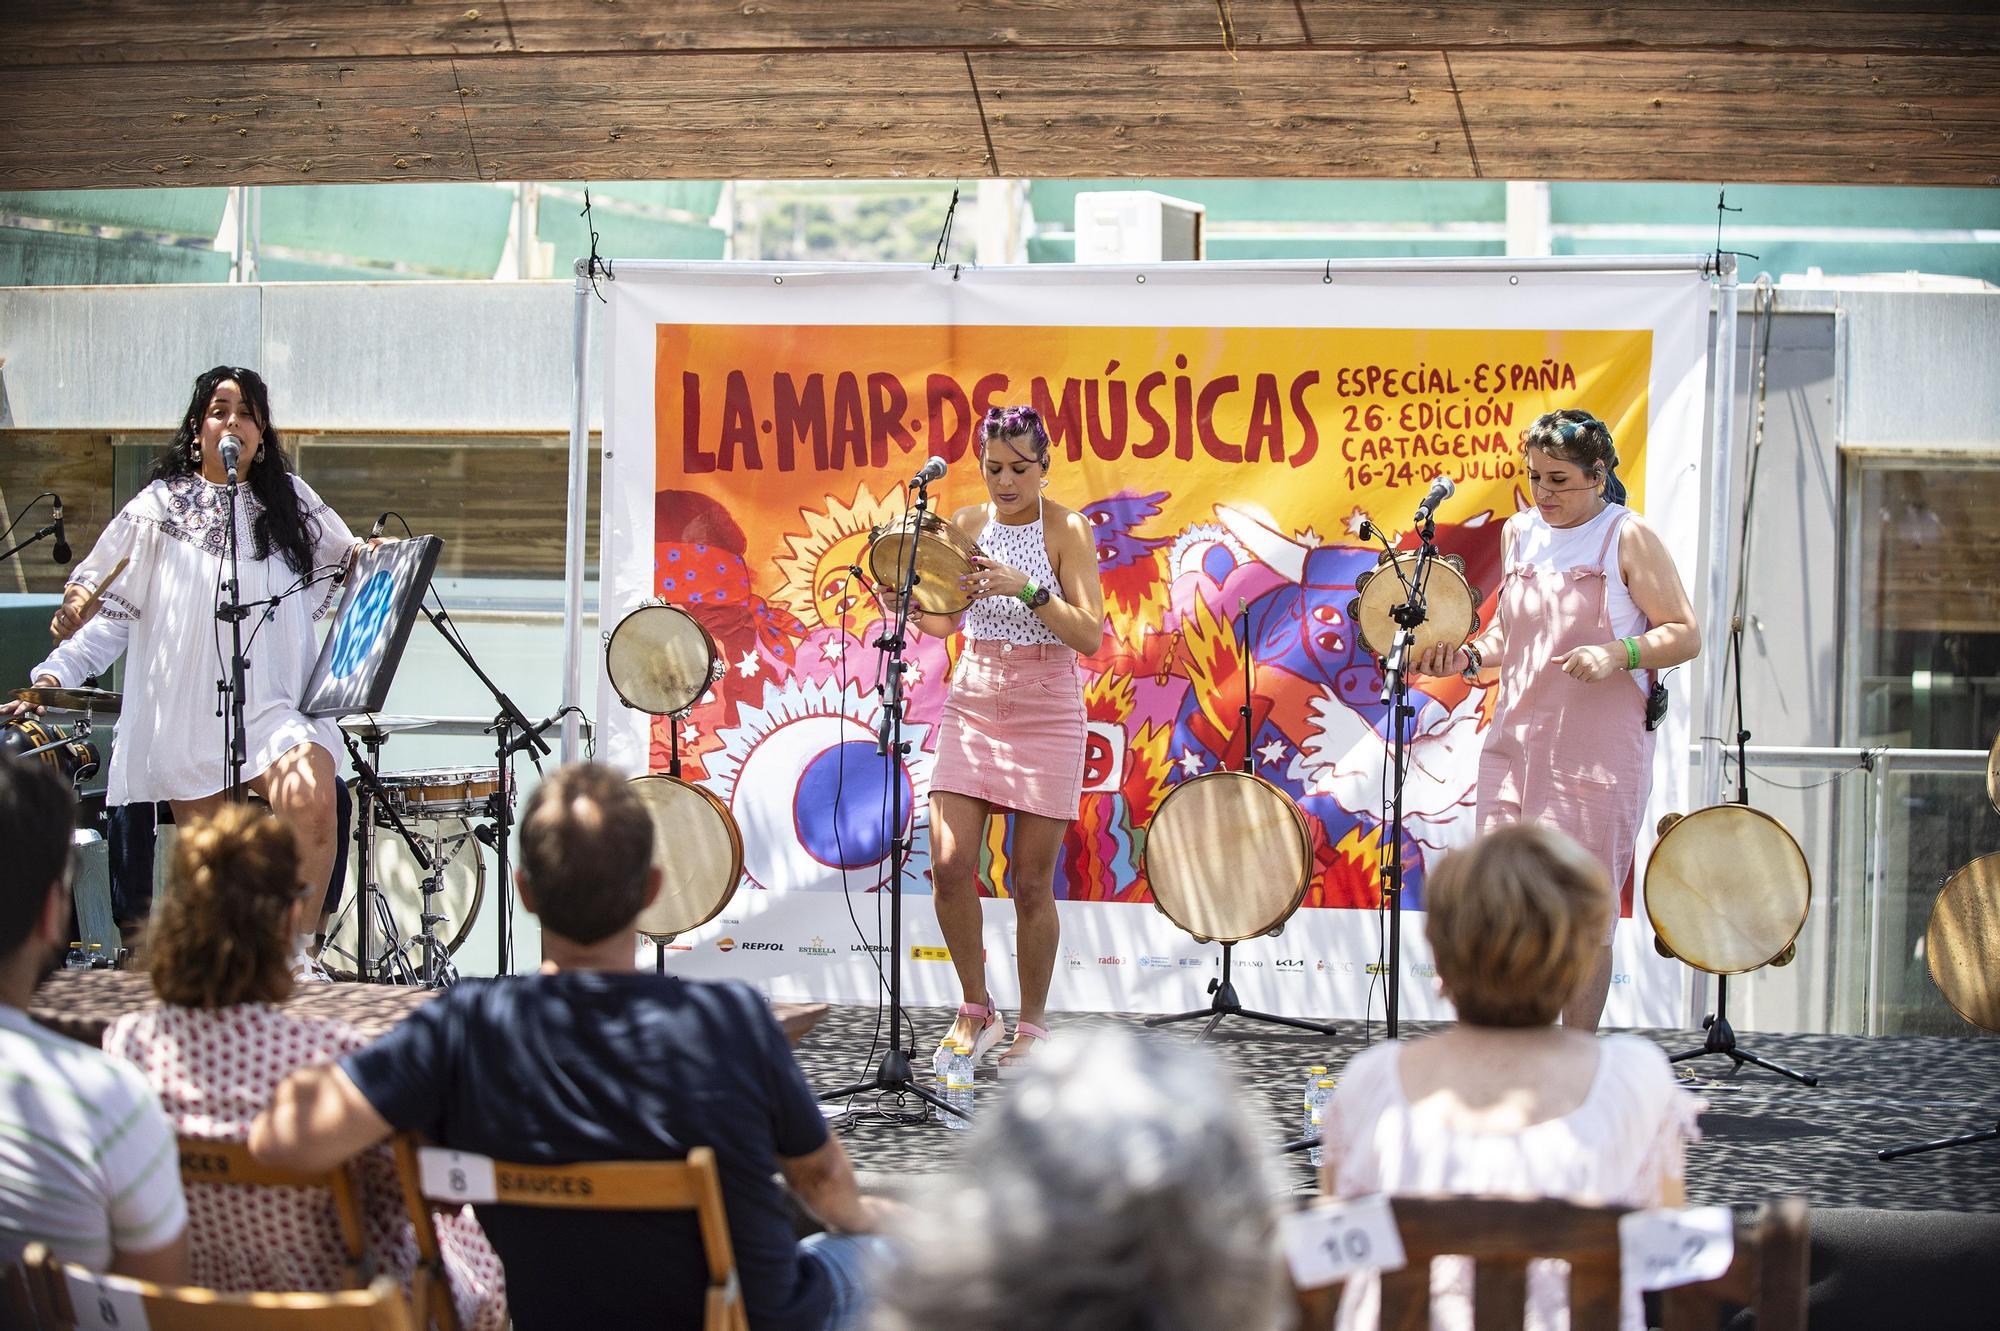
{"points": [[1136, 226]]}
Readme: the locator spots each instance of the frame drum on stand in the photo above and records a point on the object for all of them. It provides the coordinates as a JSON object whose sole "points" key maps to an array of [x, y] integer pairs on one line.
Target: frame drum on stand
{"points": [[400, 880], [1963, 940], [699, 852], [1451, 605], [944, 556], [1228, 857], [661, 660], [1727, 889]]}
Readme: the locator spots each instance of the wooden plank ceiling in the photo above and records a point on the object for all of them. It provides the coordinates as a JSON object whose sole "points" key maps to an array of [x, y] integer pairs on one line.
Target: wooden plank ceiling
{"points": [[227, 92]]}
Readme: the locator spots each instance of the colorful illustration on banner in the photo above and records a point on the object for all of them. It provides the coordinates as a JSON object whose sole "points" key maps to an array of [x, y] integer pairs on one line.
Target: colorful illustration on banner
{"points": [[1226, 473]]}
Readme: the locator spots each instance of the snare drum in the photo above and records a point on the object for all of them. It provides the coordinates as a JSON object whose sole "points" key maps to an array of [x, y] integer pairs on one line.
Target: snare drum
{"points": [[944, 556], [449, 841], [699, 852], [1727, 889], [1451, 605], [62, 751], [441, 792], [661, 660], [1228, 856]]}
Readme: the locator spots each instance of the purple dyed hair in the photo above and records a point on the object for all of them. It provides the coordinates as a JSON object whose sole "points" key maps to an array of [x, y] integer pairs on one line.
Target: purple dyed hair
{"points": [[1002, 422]]}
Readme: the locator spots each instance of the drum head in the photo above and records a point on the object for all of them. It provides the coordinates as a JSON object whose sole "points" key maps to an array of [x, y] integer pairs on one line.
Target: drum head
{"points": [[660, 659], [1727, 889], [699, 852], [402, 878], [1451, 605], [1993, 774], [944, 556], [1963, 939], [1228, 856]]}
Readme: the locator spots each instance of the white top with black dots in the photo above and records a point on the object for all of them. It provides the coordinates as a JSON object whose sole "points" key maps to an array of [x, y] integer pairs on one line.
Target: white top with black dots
{"points": [[1004, 618]]}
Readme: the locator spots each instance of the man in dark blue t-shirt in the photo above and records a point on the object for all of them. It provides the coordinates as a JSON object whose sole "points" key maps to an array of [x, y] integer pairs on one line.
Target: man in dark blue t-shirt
{"points": [[592, 1059]]}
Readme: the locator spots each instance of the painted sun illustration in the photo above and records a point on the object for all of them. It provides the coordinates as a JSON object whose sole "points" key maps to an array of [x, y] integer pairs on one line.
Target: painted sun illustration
{"points": [[816, 584]]}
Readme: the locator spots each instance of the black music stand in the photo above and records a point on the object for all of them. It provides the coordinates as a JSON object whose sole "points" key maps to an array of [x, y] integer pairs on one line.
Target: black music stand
{"points": [[1223, 1001]]}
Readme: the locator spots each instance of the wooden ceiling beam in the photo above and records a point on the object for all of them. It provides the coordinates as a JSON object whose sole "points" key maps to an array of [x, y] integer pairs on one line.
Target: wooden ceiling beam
{"points": [[91, 32]]}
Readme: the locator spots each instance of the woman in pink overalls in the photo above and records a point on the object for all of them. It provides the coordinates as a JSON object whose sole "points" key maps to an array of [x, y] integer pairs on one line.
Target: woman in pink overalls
{"points": [[1591, 608]]}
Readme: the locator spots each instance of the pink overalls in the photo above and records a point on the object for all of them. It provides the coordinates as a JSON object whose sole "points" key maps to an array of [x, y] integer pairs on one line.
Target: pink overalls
{"points": [[1573, 755]]}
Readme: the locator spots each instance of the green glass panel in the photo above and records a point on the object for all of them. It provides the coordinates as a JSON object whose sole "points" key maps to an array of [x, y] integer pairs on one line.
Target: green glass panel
{"points": [[452, 230], [51, 259], [697, 197], [1774, 205], [1321, 247], [273, 269], [177, 212], [1054, 201], [622, 236], [1834, 257]]}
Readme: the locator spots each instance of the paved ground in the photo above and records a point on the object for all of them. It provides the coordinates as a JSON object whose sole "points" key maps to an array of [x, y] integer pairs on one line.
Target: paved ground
{"points": [[1764, 1136]]}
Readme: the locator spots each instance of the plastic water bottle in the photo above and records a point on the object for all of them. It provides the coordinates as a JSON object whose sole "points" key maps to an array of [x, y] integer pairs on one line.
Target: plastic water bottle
{"points": [[1316, 1116], [1313, 1076], [941, 1084], [958, 1088]]}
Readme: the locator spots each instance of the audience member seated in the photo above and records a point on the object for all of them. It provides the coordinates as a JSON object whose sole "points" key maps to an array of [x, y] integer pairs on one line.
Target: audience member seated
{"points": [[220, 955], [593, 1059], [87, 1160], [1121, 1185], [1507, 1103]]}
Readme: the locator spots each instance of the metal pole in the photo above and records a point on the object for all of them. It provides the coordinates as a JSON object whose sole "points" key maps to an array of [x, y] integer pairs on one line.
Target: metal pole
{"points": [[1721, 494], [579, 498]]}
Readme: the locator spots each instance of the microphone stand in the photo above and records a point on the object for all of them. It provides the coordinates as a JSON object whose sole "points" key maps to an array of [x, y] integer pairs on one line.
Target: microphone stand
{"points": [[512, 732], [1396, 695], [894, 1072], [230, 692], [41, 534]]}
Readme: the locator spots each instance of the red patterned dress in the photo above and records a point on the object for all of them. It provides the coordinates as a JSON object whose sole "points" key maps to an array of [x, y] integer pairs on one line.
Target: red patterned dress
{"points": [[215, 1069]]}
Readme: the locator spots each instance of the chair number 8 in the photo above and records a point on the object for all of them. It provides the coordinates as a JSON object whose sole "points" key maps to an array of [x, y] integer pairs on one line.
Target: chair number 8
{"points": [[107, 1312], [458, 1183]]}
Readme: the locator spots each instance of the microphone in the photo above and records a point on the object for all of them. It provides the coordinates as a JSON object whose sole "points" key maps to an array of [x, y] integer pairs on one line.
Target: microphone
{"points": [[62, 551], [933, 471], [1441, 489], [232, 449]]}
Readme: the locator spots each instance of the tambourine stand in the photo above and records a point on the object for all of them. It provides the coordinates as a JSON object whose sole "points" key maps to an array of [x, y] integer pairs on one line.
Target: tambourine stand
{"points": [[1223, 1001], [1721, 1038], [893, 1075]]}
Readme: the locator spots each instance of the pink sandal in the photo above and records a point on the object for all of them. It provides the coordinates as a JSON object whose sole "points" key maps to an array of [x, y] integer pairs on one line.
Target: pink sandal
{"points": [[1018, 1060], [990, 1031]]}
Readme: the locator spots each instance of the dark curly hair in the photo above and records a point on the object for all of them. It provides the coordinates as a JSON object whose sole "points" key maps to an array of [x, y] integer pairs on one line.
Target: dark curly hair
{"points": [[1574, 435], [222, 933], [282, 525]]}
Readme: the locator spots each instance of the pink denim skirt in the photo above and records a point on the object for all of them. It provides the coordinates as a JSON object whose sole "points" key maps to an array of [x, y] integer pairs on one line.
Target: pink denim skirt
{"points": [[1012, 732]]}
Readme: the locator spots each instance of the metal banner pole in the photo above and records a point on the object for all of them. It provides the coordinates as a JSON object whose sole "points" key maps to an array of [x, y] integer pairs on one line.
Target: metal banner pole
{"points": [[573, 532]]}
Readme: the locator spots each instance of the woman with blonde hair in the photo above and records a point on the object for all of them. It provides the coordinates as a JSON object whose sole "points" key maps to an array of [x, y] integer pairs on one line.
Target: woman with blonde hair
{"points": [[220, 956], [1507, 1103]]}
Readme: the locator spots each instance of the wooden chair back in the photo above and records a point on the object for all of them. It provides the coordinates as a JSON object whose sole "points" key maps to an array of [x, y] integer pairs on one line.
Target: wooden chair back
{"points": [[231, 1165], [693, 1184], [1767, 1272], [69, 1296]]}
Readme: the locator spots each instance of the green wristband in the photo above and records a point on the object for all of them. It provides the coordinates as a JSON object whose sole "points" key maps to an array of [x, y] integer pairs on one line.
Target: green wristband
{"points": [[1026, 596], [1631, 653]]}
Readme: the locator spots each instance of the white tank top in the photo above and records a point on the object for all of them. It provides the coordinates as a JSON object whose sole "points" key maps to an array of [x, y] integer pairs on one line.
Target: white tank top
{"points": [[1004, 618]]}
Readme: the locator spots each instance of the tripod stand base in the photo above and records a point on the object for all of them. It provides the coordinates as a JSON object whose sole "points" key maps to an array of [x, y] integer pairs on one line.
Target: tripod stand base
{"points": [[1942, 1143], [1722, 1040], [894, 1075], [1225, 1004]]}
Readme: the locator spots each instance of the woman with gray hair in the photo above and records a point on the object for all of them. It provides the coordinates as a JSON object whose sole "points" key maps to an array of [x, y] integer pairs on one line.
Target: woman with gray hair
{"points": [[1120, 1186]]}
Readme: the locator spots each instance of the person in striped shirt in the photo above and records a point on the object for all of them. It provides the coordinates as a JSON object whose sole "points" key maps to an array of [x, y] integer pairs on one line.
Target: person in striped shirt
{"points": [[87, 1159]]}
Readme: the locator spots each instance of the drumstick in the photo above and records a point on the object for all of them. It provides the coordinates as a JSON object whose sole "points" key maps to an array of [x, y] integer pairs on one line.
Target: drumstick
{"points": [[89, 606]]}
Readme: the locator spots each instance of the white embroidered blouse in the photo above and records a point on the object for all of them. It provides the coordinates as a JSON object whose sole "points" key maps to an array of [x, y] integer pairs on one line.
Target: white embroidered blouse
{"points": [[161, 614]]}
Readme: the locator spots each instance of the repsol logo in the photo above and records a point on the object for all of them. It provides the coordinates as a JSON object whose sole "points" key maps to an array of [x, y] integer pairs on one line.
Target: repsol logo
{"points": [[763, 947], [540, 1185]]}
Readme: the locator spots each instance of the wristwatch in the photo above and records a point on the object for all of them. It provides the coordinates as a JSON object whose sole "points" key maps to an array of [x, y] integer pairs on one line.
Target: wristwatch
{"points": [[1032, 596]]}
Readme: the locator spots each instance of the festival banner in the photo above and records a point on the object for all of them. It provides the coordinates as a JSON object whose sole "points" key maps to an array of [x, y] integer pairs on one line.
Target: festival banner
{"points": [[1227, 430]]}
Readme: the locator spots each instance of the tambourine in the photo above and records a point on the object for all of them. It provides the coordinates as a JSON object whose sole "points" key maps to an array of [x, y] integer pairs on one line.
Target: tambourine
{"points": [[944, 556], [1727, 889], [1451, 604], [1228, 856], [698, 849], [661, 660]]}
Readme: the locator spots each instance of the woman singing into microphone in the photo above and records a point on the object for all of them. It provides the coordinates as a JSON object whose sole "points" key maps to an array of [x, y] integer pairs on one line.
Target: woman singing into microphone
{"points": [[1591, 610], [1012, 736], [161, 614]]}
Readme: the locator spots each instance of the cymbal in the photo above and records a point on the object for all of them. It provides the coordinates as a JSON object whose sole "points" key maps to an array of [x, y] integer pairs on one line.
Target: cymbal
{"points": [[371, 726], [1993, 774], [71, 700]]}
